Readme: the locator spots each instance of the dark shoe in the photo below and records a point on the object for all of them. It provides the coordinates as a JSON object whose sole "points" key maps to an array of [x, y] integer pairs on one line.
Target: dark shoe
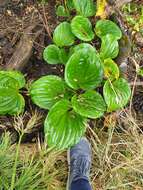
{"points": [[79, 159]]}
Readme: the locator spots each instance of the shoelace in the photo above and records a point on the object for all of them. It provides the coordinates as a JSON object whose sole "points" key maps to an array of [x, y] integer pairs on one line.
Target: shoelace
{"points": [[81, 167]]}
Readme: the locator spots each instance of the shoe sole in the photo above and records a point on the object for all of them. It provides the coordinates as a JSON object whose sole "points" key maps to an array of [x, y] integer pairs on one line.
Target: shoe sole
{"points": [[68, 158]]}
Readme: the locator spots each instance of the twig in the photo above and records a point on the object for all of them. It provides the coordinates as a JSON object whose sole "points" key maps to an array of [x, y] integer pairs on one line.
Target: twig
{"points": [[134, 84], [24, 48], [45, 22], [15, 163]]}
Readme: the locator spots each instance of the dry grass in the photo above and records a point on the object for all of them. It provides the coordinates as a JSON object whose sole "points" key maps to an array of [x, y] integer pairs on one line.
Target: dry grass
{"points": [[118, 156]]}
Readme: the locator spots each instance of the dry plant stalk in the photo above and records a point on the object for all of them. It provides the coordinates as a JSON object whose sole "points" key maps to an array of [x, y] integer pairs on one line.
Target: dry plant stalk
{"points": [[117, 160], [24, 48]]}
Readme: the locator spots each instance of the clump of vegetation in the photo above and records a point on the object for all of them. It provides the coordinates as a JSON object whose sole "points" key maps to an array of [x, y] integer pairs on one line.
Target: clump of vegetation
{"points": [[133, 13], [117, 155], [92, 83], [74, 99]]}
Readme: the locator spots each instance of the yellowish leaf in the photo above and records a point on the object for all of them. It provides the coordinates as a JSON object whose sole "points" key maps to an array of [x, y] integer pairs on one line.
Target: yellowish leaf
{"points": [[101, 8]]}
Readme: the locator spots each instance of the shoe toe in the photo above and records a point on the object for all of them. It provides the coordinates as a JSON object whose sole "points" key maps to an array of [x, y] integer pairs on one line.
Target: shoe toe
{"points": [[83, 148]]}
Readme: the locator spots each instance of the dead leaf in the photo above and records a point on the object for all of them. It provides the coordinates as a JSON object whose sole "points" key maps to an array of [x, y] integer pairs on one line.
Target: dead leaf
{"points": [[101, 9]]}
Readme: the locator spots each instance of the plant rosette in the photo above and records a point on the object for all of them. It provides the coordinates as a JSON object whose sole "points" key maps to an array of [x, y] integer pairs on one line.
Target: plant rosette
{"points": [[75, 99]]}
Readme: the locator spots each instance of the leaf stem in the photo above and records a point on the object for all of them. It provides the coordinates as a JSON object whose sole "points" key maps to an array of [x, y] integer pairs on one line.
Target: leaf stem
{"points": [[15, 163]]}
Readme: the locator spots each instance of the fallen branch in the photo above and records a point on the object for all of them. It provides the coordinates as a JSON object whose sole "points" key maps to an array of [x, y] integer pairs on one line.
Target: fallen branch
{"points": [[24, 48]]}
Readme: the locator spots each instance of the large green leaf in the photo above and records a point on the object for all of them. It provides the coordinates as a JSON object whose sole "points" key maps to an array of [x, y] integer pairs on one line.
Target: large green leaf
{"points": [[11, 102], [63, 127], [7, 100], [109, 47], [104, 27], [51, 54], [54, 55], [63, 35], [83, 70], [47, 90], [17, 76], [69, 4], [85, 7], [7, 81], [90, 104], [19, 105], [81, 47], [111, 70], [84, 46], [116, 94], [82, 28]]}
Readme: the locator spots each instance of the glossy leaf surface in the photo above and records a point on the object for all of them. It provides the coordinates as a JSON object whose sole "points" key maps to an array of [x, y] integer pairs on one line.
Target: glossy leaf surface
{"points": [[18, 76], [82, 28], [54, 55], [116, 94], [81, 47], [85, 8], [19, 105], [109, 47], [84, 46], [63, 127], [111, 70], [63, 35], [83, 70], [7, 81], [10, 103], [51, 54], [63, 56], [47, 90], [90, 104], [104, 27]]}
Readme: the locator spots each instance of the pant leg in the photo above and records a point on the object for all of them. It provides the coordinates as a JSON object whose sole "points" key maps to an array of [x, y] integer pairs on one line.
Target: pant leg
{"points": [[80, 184]]}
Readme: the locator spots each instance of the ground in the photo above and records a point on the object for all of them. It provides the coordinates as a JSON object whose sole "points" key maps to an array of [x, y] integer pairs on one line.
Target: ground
{"points": [[116, 139]]}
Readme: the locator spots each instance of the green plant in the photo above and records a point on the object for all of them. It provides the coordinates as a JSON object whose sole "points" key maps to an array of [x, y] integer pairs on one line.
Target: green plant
{"points": [[133, 15], [75, 99], [117, 156], [34, 170], [11, 101], [84, 8]]}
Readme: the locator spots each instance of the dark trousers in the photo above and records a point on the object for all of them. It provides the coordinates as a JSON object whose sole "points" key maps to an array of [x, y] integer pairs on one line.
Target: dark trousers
{"points": [[81, 184]]}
